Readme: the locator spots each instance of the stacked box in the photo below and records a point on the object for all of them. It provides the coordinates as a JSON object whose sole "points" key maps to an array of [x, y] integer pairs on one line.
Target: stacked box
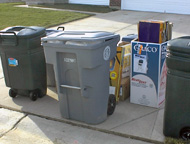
{"points": [[154, 31], [119, 66]]}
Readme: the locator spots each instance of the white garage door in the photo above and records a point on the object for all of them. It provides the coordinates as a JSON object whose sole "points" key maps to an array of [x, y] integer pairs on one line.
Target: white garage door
{"points": [[90, 2], [168, 6]]}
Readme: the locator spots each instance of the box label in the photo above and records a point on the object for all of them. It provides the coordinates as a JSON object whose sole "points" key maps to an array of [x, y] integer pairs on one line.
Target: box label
{"points": [[140, 63], [111, 90]]}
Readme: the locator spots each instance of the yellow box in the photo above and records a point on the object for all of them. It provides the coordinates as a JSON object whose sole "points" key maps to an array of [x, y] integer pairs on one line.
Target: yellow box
{"points": [[126, 58], [119, 63], [124, 89]]}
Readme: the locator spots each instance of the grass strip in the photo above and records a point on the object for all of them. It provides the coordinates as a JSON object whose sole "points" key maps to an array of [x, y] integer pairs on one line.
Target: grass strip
{"points": [[12, 16]]}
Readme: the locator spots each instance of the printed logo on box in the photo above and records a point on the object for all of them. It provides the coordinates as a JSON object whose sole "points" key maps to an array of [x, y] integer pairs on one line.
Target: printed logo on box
{"points": [[139, 48], [113, 75], [138, 83], [12, 62]]}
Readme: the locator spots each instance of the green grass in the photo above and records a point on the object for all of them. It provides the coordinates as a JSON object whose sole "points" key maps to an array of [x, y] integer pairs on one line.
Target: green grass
{"points": [[12, 16], [80, 7], [175, 141]]}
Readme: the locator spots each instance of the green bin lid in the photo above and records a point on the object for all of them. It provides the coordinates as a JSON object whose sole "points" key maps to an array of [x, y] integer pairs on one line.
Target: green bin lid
{"points": [[180, 45], [24, 32]]}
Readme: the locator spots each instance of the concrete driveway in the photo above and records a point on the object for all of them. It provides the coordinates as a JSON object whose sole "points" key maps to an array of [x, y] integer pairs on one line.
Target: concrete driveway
{"points": [[125, 22], [144, 124]]}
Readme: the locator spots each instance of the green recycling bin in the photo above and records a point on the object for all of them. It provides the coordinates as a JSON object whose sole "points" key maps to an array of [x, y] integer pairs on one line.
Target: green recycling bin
{"points": [[23, 61], [177, 104]]}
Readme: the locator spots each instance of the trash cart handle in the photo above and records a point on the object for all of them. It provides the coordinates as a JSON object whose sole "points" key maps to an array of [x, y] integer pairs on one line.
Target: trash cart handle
{"points": [[72, 87], [13, 34], [84, 94], [61, 28]]}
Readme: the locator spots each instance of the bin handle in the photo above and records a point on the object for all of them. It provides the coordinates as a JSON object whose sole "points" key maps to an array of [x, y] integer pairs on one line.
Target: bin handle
{"points": [[13, 34], [84, 94], [60, 28], [72, 87], [108, 39]]}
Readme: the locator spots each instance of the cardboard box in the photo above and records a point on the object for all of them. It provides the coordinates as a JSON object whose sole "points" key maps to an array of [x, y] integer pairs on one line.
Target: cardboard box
{"points": [[124, 89], [153, 31], [126, 61], [117, 65], [148, 73]]}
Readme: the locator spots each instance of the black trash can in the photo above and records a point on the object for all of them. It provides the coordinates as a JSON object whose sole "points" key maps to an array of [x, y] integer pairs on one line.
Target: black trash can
{"points": [[23, 61], [177, 104]]}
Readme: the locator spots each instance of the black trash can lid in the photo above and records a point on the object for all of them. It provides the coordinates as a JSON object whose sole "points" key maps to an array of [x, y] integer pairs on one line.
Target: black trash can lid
{"points": [[180, 45], [25, 32]]}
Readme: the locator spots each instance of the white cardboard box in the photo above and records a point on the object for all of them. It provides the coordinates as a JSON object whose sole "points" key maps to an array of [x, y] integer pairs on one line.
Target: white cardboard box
{"points": [[148, 73]]}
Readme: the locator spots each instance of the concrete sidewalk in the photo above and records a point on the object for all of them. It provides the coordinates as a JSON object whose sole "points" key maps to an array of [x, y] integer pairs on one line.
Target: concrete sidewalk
{"points": [[19, 128], [128, 121]]}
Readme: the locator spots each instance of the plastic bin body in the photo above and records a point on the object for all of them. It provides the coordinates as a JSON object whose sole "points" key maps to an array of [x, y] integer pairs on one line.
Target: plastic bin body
{"points": [[81, 62], [49, 67], [23, 59], [177, 105]]}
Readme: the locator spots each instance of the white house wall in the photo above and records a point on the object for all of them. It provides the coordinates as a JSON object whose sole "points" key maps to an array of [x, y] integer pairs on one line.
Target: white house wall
{"points": [[168, 6], [90, 2]]}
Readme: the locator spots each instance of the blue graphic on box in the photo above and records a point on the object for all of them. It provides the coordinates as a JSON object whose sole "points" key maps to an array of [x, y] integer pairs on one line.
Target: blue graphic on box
{"points": [[151, 56], [12, 62]]}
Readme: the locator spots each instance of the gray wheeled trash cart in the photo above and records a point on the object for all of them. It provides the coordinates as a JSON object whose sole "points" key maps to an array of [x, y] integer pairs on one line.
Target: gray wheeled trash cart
{"points": [[81, 63], [177, 104], [23, 61]]}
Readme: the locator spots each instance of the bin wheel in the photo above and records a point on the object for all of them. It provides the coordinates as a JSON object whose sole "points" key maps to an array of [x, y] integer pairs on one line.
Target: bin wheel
{"points": [[185, 133], [33, 96], [12, 93], [40, 93], [111, 104]]}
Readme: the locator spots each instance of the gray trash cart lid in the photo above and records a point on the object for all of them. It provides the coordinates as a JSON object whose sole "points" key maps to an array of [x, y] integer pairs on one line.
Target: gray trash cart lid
{"points": [[79, 36]]}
